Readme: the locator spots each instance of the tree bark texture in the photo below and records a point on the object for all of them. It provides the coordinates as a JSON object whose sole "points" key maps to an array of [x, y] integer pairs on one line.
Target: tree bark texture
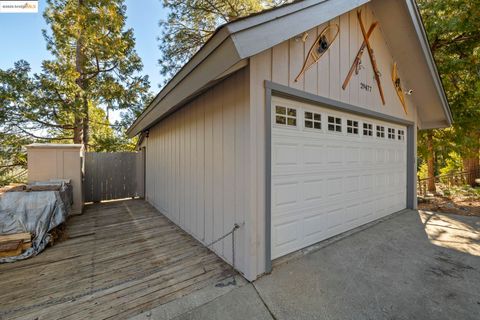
{"points": [[431, 163], [81, 82], [471, 166]]}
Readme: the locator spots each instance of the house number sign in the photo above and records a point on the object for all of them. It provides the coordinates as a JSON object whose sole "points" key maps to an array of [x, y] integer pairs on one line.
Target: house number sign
{"points": [[365, 87]]}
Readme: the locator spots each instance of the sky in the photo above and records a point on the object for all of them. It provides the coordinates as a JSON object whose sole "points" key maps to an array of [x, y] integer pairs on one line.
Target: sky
{"points": [[21, 37]]}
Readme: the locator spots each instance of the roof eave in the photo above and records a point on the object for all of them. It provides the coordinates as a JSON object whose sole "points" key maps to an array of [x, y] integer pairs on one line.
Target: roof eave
{"points": [[238, 32], [238, 41]]}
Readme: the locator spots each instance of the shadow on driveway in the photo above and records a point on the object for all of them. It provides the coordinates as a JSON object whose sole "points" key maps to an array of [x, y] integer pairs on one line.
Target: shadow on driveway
{"points": [[415, 265], [412, 265]]}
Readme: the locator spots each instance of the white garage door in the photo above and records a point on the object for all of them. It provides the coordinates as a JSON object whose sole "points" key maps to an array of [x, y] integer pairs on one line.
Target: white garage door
{"points": [[331, 172]]}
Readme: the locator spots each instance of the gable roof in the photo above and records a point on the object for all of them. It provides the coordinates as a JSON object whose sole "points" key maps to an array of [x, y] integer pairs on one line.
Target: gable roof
{"points": [[232, 44]]}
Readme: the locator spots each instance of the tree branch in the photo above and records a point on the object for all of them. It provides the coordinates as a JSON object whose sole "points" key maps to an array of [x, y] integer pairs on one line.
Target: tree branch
{"points": [[43, 138]]}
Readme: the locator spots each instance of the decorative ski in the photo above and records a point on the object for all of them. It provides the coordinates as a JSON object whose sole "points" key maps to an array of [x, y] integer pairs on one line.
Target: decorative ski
{"points": [[371, 55], [320, 46], [398, 86], [358, 58]]}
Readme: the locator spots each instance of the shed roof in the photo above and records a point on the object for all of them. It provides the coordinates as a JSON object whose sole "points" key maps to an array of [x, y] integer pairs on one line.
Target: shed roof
{"points": [[54, 146], [232, 44]]}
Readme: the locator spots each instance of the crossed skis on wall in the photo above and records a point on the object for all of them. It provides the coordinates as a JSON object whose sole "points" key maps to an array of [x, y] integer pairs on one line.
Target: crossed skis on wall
{"points": [[356, 63]]}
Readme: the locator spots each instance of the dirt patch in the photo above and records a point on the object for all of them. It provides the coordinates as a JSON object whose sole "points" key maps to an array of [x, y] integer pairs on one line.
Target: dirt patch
{"points": [[457, 205]]}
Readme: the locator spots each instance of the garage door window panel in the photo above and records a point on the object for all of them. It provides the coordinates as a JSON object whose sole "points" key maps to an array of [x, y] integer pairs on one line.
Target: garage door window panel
{"points": [[334, 124], [391, 133], [380, 132], [352, 126], [401, 135], [286, 116], [313, 120], [368, 129]]}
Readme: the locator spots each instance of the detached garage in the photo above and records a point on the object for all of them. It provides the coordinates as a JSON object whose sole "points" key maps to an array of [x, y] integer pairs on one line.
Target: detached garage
{"points": [[296, 124]]}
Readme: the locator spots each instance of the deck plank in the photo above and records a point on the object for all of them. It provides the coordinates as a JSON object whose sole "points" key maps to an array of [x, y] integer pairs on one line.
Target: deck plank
{"points": [[130, 254]]}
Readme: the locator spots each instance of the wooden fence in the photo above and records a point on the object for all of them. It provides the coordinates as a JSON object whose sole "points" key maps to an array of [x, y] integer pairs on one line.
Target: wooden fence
{"points": [[113, 175], [449, 180]]}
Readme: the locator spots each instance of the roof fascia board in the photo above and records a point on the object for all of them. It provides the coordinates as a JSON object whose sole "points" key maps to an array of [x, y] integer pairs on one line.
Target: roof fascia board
{"points": [[420, 30], [213, 67], [273, 32], [267, 16]]}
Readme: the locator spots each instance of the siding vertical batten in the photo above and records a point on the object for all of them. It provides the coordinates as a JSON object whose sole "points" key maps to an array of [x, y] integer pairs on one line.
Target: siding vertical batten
{"points": [[260, 67], [268, 179]]}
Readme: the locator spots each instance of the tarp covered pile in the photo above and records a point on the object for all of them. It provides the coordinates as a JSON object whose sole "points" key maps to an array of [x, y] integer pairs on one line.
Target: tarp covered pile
{"points": [[36, 212]]}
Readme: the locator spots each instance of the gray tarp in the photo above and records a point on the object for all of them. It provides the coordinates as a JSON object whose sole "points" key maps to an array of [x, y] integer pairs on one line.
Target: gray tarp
{"points": [[37, 212]]}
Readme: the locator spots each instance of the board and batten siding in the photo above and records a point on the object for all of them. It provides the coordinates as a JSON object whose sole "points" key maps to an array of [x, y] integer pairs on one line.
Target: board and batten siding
{"points": [[282, 63], [197, 164]]}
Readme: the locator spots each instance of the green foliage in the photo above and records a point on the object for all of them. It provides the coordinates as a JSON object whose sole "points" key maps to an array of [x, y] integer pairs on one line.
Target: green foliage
{"points": [[104, 137], [94, 70], [95, 63], [422, 171], [191, 23], [465, 191], [453, 28], [13, 159], [453, 164]]}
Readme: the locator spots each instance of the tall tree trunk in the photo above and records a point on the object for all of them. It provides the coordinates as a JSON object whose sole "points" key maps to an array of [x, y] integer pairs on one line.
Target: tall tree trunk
{"points": [[471, 166], [77, 130], [81, 82], [86, 124], [471, 159], [431, 163]]}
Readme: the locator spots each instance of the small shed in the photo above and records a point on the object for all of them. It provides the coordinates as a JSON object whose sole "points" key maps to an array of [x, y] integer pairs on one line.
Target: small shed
{"points": [[297, 123], [47, 161]]}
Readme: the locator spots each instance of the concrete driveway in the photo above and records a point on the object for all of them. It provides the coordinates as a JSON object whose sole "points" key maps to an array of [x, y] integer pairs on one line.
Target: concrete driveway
{"points": [[412, 265]]}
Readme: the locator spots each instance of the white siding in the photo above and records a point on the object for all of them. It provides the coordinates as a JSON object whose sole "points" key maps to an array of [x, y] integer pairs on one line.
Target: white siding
{"points": [[282, 63], [197, 166]]}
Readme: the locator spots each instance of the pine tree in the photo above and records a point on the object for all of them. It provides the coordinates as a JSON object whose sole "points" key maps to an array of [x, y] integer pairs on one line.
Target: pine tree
{"points": [[453, 28], [191, 23], [94, 62]]}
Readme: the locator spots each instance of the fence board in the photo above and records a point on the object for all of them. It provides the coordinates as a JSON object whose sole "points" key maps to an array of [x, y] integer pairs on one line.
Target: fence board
{"points": [[110, 176]]}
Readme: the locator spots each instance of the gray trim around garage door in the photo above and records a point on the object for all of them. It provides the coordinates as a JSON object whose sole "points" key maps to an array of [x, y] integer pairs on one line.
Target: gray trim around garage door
{"points": [[279, 90]]}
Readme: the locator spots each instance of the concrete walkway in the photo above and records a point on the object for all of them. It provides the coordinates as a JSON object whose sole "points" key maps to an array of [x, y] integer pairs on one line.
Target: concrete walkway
{"points": [[413, 265]]}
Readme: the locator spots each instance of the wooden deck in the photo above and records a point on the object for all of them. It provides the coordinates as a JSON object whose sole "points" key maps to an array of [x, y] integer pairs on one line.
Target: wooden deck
{"points": [[129, 255]]}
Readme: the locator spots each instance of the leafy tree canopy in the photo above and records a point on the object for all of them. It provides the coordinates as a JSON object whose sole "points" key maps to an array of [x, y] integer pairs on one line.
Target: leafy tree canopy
{"points": [[94, 69], [453, 29]]}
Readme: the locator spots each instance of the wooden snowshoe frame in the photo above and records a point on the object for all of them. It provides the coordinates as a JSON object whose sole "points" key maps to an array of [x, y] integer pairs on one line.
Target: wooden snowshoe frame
{"points": [[319, 47], [398, 87]]}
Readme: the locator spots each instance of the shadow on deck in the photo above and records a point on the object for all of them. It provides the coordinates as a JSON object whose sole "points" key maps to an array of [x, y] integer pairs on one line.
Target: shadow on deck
{"points": [[121, 258]]}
